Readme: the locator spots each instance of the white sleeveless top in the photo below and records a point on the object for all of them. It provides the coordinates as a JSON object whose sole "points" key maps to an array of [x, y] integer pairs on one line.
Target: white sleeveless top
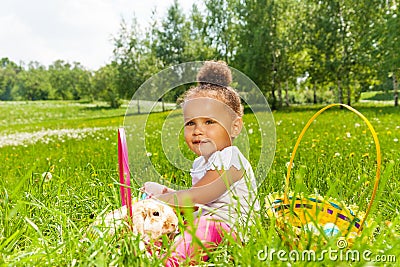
{"points": [[236, 204]]}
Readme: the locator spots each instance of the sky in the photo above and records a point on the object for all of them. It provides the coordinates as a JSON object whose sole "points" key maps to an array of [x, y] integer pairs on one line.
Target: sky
{"points": [[71, 30]]}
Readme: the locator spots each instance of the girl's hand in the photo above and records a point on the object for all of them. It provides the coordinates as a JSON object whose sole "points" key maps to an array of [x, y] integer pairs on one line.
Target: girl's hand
{"points": [[152, 188]]}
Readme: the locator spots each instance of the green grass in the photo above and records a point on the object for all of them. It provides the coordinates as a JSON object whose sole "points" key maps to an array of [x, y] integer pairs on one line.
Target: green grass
{"points": [[42, 222], [377, 96]]}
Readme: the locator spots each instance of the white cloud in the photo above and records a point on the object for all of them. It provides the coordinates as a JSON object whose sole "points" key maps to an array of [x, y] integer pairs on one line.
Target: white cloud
{"points": [[74, 30]]}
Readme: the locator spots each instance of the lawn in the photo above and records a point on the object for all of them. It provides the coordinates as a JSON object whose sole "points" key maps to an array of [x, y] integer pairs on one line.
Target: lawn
{"points": [[42, 221]]}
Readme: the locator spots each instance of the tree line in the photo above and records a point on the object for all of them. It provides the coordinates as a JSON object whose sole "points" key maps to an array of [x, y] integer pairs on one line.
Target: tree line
{"points": [[295, 51]]}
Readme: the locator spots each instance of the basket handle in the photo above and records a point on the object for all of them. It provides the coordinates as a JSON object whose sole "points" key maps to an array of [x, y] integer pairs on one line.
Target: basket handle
{"points": [[378, 155], [124, 173]]}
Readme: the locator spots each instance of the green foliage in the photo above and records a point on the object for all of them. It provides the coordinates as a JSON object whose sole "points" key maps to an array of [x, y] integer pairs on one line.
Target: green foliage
{"points": [[307, 96], [170, 41], [105, 85], [256, 51], [349, 46], [33, 84], [69, 82], [8, 74]]}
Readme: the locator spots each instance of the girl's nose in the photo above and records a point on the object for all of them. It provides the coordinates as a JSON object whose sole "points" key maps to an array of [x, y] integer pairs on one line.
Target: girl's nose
{"points": [[198, 130]]}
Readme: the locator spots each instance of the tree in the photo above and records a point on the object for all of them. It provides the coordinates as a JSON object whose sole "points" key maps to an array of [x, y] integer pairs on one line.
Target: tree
{"points": [[171, 45], [365, 63], [60, 80], [69, 81], [390, 45], [82, 82], [170, 40], [8, 74], [104, 83], [33, 84], [256, 47], [222, 25], [288, 55], [195, 30], [128, 59], [339, 43]]}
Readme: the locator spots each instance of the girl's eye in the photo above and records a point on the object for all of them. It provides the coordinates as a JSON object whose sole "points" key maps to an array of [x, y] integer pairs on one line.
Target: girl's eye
{"points": [[189, 123], [209, 122]]}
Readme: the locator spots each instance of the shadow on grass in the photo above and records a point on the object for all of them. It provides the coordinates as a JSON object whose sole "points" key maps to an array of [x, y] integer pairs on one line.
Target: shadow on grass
{"points": [[381, 96], [99, 107], [123, 113], [362, 107]]}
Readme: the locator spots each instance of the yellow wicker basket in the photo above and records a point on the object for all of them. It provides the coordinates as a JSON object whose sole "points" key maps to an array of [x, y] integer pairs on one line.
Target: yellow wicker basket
{"points": [[300, 217]]}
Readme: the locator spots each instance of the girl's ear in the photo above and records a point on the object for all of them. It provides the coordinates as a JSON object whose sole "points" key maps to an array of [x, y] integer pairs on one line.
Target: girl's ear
{"points": [[237, 126]]}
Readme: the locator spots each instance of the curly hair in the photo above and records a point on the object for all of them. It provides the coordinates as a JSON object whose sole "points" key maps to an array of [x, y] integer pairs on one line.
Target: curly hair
{"points": [[214, 78]]}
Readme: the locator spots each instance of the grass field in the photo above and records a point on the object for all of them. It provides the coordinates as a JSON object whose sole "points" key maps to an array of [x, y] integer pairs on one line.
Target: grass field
{"points": [[42, 220]]}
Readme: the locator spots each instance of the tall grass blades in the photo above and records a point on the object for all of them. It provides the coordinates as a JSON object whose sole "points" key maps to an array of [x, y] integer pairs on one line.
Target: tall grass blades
{"points": [[59, 172]]}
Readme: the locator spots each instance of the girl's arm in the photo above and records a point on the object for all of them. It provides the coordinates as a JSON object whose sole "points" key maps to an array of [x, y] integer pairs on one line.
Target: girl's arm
{"points": [[213, 184]]}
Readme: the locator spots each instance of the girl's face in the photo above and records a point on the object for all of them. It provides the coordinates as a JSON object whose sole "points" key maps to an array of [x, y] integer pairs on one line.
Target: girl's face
{"points": [[209, 125]]}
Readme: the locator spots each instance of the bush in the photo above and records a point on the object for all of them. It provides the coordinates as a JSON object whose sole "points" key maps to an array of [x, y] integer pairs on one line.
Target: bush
{"points": [[307, 97]]}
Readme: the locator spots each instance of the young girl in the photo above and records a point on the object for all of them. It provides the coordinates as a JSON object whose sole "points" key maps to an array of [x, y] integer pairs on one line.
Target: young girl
{"points": [[223, 182]]}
